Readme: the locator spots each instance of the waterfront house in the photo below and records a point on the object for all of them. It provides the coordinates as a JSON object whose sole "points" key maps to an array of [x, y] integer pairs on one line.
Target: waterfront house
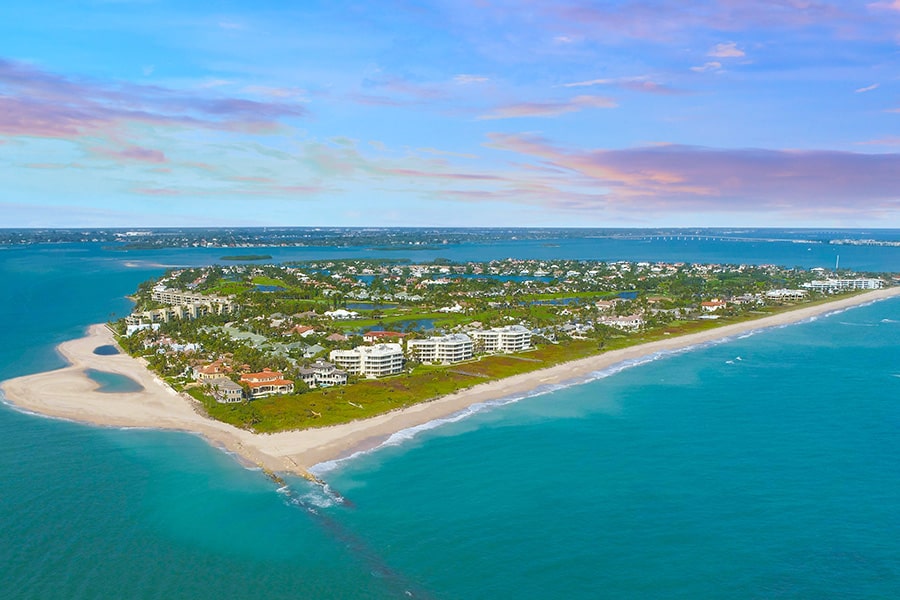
{"points": [[214, 370], [267, 383], [713, 305], [225, 391], [323, 374], [627, 323]]}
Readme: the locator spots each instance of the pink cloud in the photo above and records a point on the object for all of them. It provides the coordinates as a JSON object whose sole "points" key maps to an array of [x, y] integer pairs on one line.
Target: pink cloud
{"points": [[548, 109], [674, 178], [38, 103], [132, 154], [634, 84], [893, 5], [672, 20], [885, 141]]}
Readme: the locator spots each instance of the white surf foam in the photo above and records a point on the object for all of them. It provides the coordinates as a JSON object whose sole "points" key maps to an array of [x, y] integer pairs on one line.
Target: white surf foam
{"points": [[410, 433]]}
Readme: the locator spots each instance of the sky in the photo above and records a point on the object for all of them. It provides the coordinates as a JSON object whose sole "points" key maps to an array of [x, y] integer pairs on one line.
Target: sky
{"points": [[618, 113]]}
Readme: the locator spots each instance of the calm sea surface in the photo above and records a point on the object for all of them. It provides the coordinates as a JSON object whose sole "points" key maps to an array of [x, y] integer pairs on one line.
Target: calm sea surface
{"points": [[763, 467]]}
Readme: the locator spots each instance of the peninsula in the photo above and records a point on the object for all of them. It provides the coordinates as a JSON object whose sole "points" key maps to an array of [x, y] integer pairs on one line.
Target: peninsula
{"points": [[69, 393]]}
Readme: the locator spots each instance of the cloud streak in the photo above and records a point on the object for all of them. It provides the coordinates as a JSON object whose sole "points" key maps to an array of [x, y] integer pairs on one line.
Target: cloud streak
{"points": [[548, 109], [633, 84]]}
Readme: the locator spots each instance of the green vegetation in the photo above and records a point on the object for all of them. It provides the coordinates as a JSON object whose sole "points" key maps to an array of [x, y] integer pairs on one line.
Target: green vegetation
{"points": [[246, 257], [571, 308]]}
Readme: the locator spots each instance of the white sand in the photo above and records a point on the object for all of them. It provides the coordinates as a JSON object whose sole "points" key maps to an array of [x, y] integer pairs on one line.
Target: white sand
{"points": [[70, 394]]}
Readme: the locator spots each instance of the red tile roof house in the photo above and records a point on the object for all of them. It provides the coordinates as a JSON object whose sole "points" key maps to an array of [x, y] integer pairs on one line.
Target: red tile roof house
{"points": [[304, 330], [267, 383], [713, 305], [213, 370]]}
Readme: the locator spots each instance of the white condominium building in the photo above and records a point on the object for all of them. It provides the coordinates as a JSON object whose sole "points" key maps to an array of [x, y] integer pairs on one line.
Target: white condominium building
{"points": [[181, 305], [831, 285], [370, 361], [510, 338], [172, 297], [445, 349]]}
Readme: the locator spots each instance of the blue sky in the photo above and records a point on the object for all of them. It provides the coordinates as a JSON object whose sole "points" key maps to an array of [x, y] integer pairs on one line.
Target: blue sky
{"points": [[481, 112]]}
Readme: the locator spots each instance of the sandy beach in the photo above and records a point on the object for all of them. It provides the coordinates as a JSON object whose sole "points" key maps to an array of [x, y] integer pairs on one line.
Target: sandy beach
{"points": [[69, 393]]}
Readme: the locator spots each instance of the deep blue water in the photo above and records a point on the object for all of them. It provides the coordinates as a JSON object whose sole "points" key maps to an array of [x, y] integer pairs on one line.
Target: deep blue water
{"points": [[764, 467]]}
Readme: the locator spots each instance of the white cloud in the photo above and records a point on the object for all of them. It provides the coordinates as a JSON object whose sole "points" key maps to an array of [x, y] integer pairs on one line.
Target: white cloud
{"points": [[710, 66], [589, 83], [465, 79], [726, 50], [868, 88]]}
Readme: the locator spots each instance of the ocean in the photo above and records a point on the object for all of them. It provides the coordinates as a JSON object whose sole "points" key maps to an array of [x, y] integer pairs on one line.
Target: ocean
{"points": [[760, 467]]}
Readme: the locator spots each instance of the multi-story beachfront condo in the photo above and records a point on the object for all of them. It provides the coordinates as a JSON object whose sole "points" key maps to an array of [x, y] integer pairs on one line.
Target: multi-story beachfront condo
{"points": [[786, 294], [370, 361], [834, 285], [173, 297], [446, 349], [182, 305], [510, 338]]}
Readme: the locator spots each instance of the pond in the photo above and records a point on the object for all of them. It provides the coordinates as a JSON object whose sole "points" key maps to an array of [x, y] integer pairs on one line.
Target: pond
{"points": [[405, 325], [107, 350], [113, 383]]}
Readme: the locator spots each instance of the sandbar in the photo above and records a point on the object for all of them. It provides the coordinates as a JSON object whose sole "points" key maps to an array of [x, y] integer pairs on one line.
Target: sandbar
{"points": [[68, 393]]}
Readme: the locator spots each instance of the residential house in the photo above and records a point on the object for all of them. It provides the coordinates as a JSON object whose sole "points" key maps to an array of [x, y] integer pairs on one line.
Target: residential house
{"points": [[713, 305], [214, 370], [323, 374], [267, 383], [225, 391]]}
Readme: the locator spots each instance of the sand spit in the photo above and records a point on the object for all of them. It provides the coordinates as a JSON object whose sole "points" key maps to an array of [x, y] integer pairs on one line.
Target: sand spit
{"points": [[69, 393]]}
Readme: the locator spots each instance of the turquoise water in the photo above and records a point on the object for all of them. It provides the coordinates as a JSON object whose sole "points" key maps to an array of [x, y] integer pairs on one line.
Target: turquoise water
{"points": [[764, 467], [113, 383]]}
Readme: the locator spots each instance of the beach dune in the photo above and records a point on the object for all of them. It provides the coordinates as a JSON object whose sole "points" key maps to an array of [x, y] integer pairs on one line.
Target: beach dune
{"points": [[69, 393]]}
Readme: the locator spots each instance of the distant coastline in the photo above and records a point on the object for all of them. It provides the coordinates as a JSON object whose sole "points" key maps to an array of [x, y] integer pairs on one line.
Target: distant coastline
{"points": [[69, 393]]}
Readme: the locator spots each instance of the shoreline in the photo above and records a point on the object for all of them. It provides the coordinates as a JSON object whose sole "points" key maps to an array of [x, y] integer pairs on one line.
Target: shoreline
{"points": [[68, 393]]}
